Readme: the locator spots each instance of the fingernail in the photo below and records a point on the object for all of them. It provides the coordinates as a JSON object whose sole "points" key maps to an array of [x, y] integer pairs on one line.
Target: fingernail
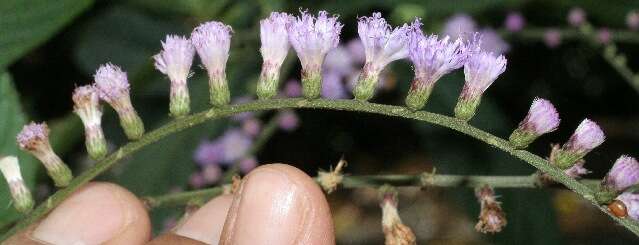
{"points": [[269, 208], [91, 216]]}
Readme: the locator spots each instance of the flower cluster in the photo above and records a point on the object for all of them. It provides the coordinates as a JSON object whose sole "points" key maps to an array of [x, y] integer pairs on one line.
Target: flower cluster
{"points": [[34, 138]]}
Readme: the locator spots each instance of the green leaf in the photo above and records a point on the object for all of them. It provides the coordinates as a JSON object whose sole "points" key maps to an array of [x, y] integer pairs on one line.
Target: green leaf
{"points": [[12, 121], [25, 24]]}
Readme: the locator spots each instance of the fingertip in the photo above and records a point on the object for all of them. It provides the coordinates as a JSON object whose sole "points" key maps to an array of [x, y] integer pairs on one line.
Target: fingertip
{"points": [[206, 223]]}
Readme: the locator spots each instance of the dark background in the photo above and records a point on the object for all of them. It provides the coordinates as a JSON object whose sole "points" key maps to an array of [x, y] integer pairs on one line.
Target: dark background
{"points": [[49, 48]]}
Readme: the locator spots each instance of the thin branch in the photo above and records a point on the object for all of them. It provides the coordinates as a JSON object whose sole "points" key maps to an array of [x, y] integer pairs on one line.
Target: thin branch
{"points": [[342, 105], [536, 34]]}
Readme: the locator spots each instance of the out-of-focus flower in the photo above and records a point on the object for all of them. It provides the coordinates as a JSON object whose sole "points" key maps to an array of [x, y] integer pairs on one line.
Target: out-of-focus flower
{"points": [[252, 127], [34, 138], [576, 16], [542, 118], [22, 198], [175, 61], [604, 36], [492, 218], [339, 61], [236, 144], [491, 41], [212, 41], [333, 86], [514, 22], [623, 174], [87, 107], [552, 38], [460, 26], [356, 50], [480, 72], [196, 180], [632, 20], [288, 120], [247, 164], [211, 173], [586, 137], [240, 117], [312, 37], [274, 48], [293, 89], [209, 153], [113, 87]]}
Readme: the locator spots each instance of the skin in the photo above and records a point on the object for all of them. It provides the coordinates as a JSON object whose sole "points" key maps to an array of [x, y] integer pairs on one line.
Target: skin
{"points": [[275, 204]]}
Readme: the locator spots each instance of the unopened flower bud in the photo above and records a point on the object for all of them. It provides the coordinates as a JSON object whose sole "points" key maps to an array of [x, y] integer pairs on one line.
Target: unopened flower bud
{"points": [[542, 118], [587, 136], [623, 174], [492, 218], [113, 87], [22, 199], [630, 203], [274, 49], [175, 61], [212, 41], [395, 232], [331, 179], [312, 37], [87, 107], [382, 45], [34, 138], [480, 72]]}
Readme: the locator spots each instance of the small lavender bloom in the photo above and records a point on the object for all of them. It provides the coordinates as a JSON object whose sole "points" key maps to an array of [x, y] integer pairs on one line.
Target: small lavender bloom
{"points": [[339, 60], [247, 164], [211, 173], [631, 201], [356, 50], [212, 41], [209, 153], [604, 36], [288, 120], [34, 138], [196, 180], [587, 137], [514, 22], [433, 58], [623, 174], [480, 71], [236, 144], [175, 61], [460, 26], [274, 49], [577, 170], [333, 86], [382, 45], [552, 38], [542, 118], [576, 16], [252, 127], [632, 20], [491, 41], [113, 87], [293, 89], [22, 198], [87, 107], [312, 38]]}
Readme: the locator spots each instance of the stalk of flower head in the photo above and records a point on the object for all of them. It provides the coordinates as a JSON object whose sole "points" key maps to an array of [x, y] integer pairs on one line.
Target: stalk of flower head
{"points": [[382, 45], [212, 41], [175, 61], [623, 175], [275, 46], [312, 37], [542, 118], [34, 138], [480, 71], [87, 107], [586, 137], [433, 58], [395, 231], [112, 86], [22, 199]]}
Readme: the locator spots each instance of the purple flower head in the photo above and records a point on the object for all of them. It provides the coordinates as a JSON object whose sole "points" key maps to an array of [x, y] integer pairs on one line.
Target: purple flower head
{"points": [[491, 41], [632, 20], [631, 201], [333, 86], [623, 174], [252, 127], [274, 38], [236, 143], [577, 170], [339, 61], [552, 38], [460, 26], [209, 153], [587, 136], [542, 118], [211, 173], [33, 136], [480, 72], [212, 41], [312, 37], [293, 89], [576, 16], [176, 58], [604, 36], [356, 50], [112, 83], [288, 120], [514, 22], [382, 43], [247, 164], [87, 105], [433, 57]]}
